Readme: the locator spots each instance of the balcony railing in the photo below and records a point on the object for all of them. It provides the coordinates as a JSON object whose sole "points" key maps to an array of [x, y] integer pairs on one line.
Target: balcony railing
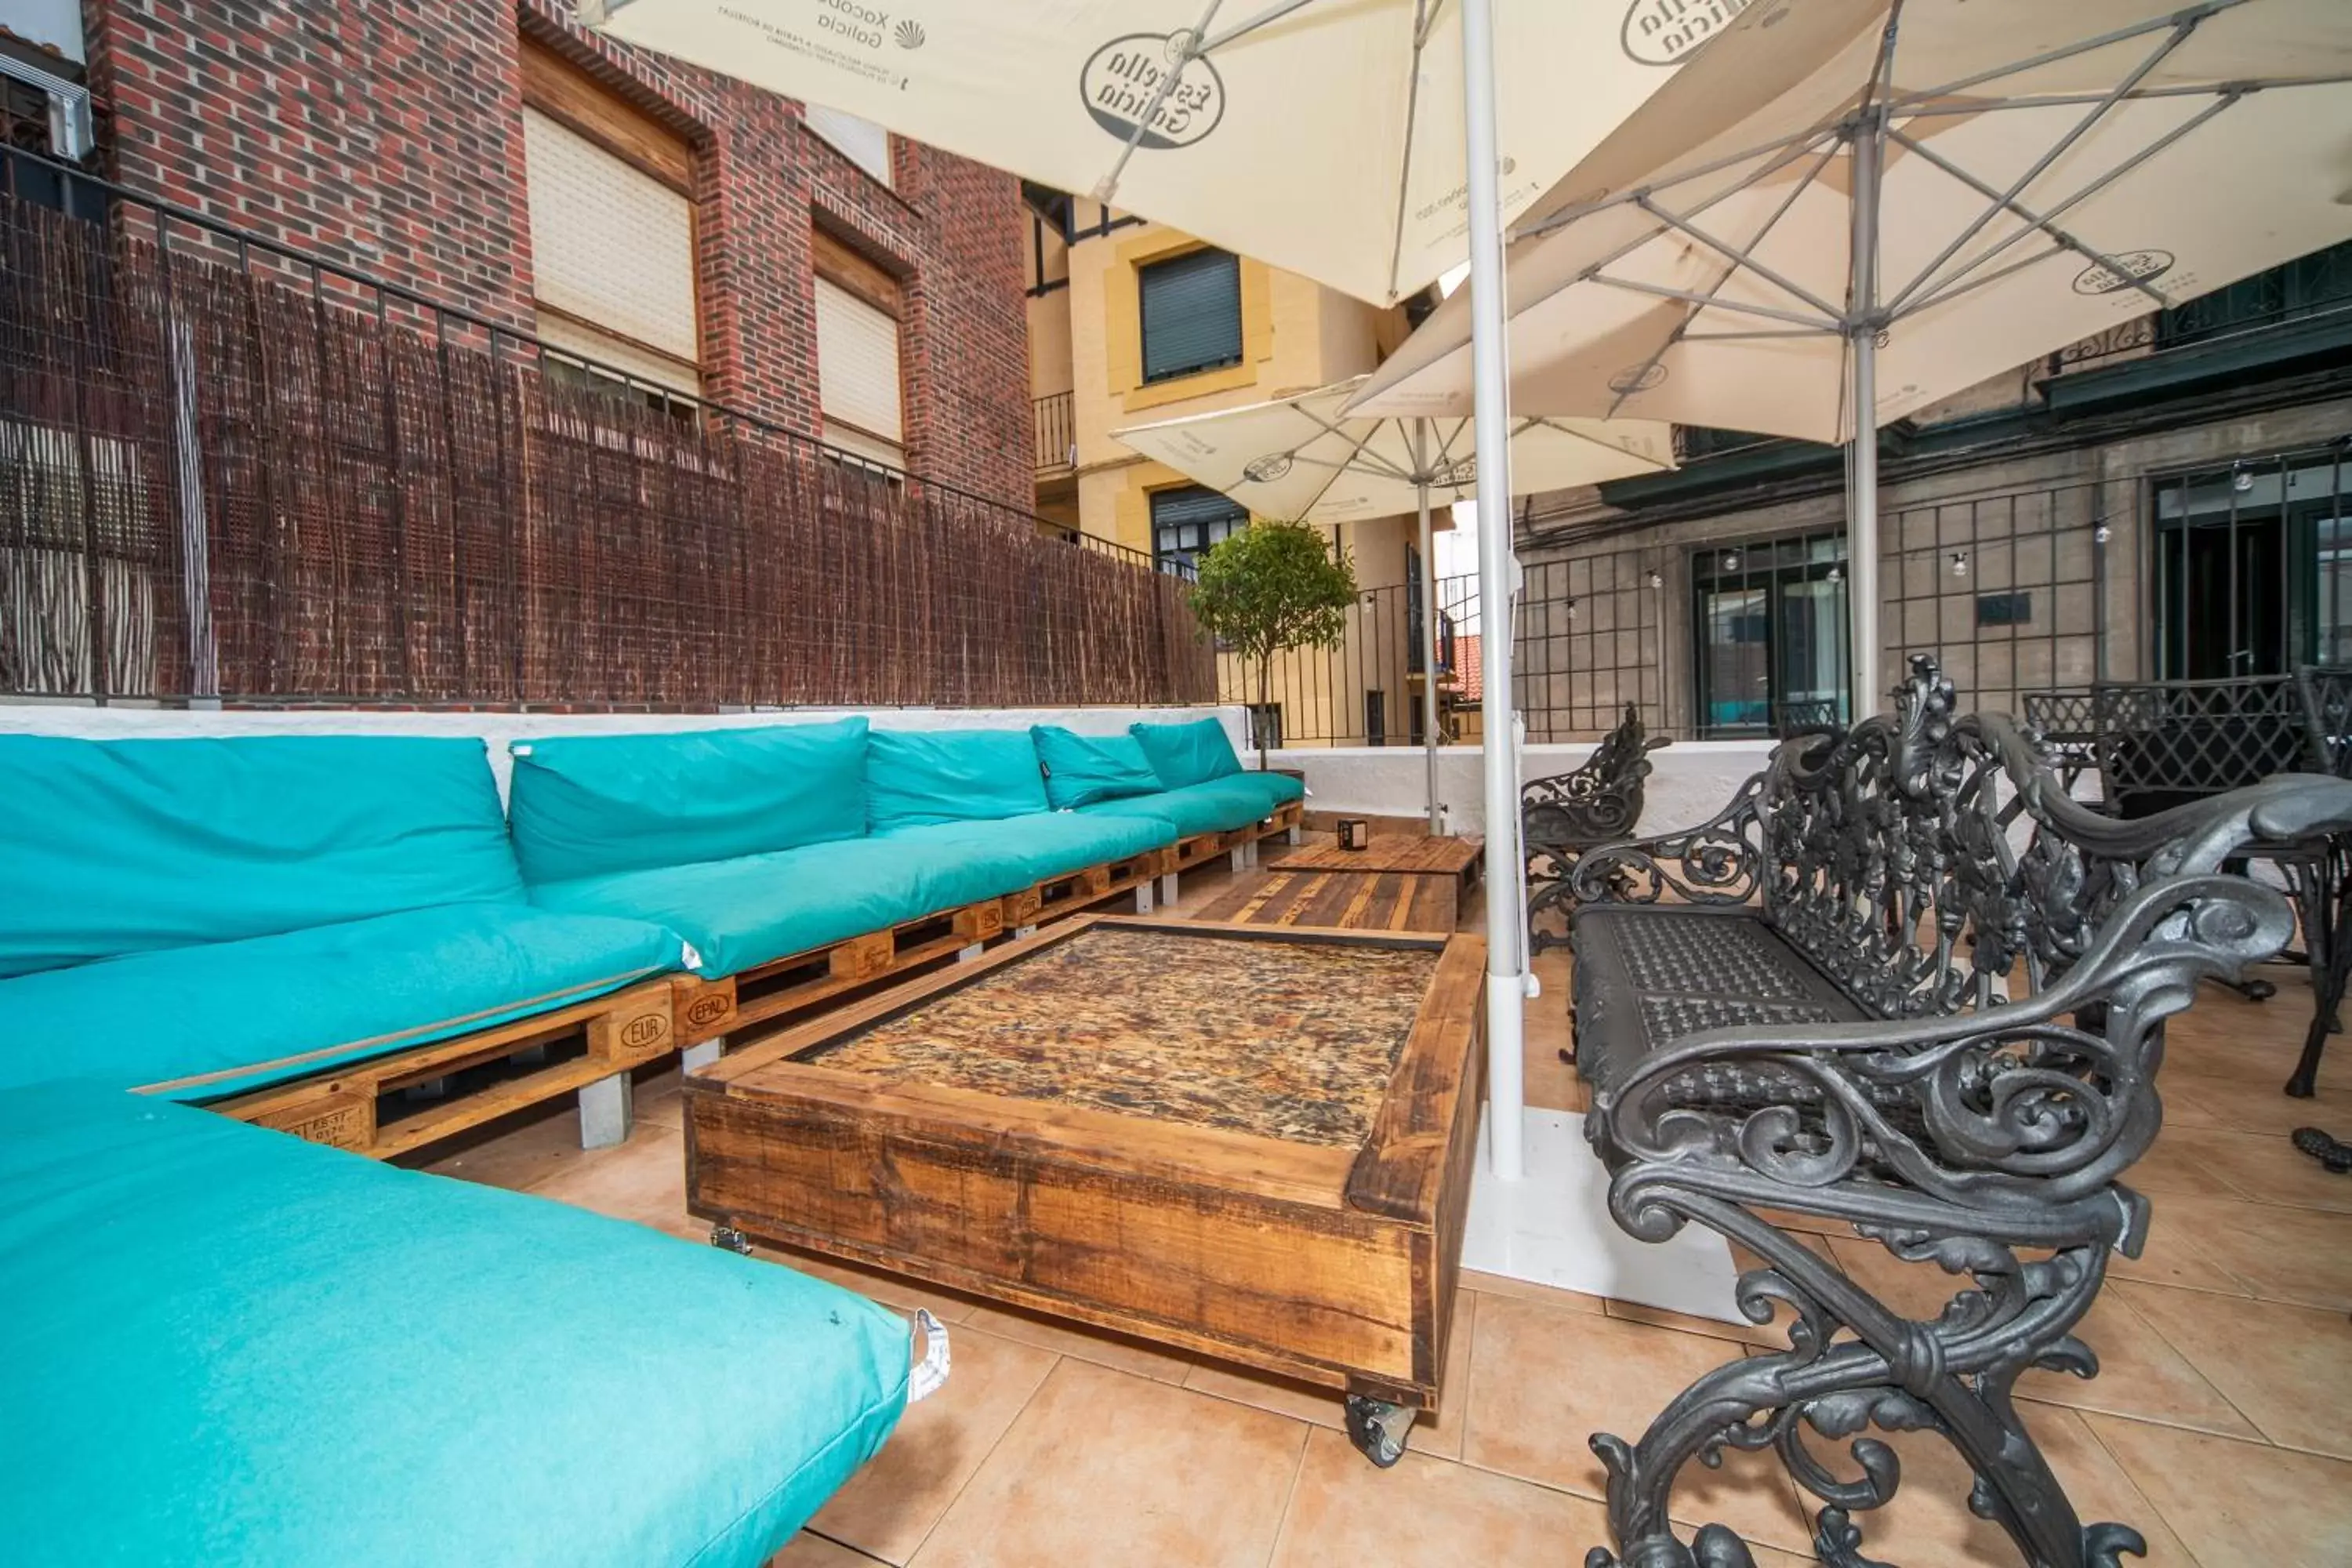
{"points": [[1058, 434], [2310, 288]]}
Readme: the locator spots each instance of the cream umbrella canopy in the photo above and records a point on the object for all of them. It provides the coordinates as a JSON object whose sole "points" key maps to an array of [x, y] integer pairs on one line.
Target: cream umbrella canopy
{"points": [[1325, 137], [1879, 203], [1302, 460]]}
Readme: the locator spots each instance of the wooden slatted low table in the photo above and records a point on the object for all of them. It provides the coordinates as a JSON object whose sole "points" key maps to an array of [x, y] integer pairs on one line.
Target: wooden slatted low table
{"points": [[1347, 900], [1246, 1142]]}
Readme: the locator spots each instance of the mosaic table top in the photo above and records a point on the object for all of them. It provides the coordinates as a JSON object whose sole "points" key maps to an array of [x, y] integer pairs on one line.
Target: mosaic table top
{"points": [[1293, 1041]]}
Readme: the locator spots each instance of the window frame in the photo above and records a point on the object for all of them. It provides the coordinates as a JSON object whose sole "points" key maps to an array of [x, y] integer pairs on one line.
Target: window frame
{"points": [[1159, 264], [1190, 554]]}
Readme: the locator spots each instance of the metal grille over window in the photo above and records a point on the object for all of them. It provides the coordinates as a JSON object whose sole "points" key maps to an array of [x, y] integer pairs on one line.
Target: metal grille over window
{"points": [[861, 141], [1191, 308], [1186, 523], [612, 251], [857, 375]]}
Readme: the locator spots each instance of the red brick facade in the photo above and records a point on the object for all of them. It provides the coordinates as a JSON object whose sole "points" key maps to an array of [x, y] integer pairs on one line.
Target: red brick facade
{"points": [[388, 138]]}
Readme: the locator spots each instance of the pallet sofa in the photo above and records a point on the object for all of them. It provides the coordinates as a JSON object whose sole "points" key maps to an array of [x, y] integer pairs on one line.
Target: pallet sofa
{"points": [[1902, 981], [801, 862], [326, 934], [300, 929], [221, 1346]]}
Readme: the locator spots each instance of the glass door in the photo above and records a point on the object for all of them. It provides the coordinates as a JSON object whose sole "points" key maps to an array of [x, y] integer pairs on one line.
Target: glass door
{"points": [[1770, 624]]}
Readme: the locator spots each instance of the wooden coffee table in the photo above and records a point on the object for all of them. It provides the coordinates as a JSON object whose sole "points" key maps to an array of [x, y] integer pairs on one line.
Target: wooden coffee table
{"points": [[1394, 883], [1244, 1141]]}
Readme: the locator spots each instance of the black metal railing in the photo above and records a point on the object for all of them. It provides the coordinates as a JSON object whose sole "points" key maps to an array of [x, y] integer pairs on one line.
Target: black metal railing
{"points": [[1057, 433], [1365, 690], [235, 469], [2311, 290]]}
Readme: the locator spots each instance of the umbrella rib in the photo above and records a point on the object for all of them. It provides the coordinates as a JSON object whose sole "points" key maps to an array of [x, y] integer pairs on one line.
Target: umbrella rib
{"points": [[2066, 241], [1910, 109], [1952, 288], [1661, 291], [2188, 16], [1108, 184], [1575, 435], [1355, 444], [1340, 468], [2006, 201], [1786, 147], [1422, 14], [1275, 13], [1824, 328]]}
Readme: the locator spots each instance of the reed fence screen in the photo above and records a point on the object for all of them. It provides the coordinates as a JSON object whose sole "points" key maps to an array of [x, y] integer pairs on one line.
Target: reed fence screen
{"points": [[218, 482]]}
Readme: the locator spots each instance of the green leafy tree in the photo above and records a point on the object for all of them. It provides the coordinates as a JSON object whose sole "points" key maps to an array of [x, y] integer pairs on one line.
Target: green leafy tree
{"points": [[1272, 587]]}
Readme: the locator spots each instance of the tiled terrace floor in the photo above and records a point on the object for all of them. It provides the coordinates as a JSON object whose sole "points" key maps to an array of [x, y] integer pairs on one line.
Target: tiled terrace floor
{"points": [[2220, 1426]]}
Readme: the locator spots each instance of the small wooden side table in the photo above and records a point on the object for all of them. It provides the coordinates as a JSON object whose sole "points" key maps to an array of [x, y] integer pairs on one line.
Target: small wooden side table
{"points": [[1394, 884]]}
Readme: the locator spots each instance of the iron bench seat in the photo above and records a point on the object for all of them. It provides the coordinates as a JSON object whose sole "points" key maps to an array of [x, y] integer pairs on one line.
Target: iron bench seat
{"points": [[1905, 981]]}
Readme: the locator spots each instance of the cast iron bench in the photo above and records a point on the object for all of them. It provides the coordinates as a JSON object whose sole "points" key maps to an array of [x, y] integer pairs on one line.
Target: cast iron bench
{"points": [[1911, 985], [1561, 816]]}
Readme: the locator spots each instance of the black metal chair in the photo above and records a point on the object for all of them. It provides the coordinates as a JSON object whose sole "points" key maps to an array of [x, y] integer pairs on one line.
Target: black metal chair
{"points": [[1564, 815]]}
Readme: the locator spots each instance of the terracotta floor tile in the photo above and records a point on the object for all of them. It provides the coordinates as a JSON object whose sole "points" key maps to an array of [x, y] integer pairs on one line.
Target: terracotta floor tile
{"points": [[1065, 1338], [808, 1551], [2265, 1167], [1928, 1520], [1551, 1084], [1525, 1290], [512, 1153], [658, 1098], [1427, 1514], [2301, 1256], [1543, 1379], [1107, 1470], [2289, 1369], [2249, 1099], [1438, 1435], [642, 1180], [890, 1506], [2237, 1505], [1773, 1335], [2170, 1258]]}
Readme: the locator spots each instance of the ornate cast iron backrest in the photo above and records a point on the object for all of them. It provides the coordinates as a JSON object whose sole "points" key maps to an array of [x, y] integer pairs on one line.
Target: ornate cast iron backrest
{"points": [[1597, 802], [1926, 861]]}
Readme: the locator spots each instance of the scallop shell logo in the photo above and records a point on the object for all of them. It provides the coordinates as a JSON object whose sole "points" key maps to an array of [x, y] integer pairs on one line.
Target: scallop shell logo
{"points": [[1637, 378], [909, 34], [1266, 470]]}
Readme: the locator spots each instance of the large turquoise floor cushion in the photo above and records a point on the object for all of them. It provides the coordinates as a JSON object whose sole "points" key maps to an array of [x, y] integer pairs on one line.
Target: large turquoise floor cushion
{"points": [[1275, 789], [1220, 805], [213, 1020], [121, 846], [587, 805], [914, 777], [1021, 851], [741, 913], [1083, 769], [223, 1345]]}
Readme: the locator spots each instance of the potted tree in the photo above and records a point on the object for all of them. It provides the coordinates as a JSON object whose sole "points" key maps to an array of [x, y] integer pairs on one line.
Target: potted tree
{"points": [[1272, 587]]}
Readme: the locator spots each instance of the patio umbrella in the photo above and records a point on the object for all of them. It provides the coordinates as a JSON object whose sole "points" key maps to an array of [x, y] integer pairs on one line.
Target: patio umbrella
{"points": [[1362, 143], [1880, 202], [1301, 458]]}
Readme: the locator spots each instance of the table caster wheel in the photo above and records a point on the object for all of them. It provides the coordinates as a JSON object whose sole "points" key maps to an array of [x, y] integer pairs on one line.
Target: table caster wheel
{"points": [[733, 1240], [1378, 1428]]}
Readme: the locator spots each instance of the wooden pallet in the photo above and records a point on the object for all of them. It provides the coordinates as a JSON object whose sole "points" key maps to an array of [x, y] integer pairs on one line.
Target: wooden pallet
{"points": [[707, 1010], [1065, 896], [1203, 847], [360, 1106]]}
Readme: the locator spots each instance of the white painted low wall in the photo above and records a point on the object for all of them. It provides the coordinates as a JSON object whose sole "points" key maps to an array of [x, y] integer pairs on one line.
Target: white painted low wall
{"points": [[124, 722], [1690, 781]]}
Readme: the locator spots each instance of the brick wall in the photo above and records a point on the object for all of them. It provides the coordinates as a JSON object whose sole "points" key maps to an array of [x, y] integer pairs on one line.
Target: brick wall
{"points": [[388, 138]]}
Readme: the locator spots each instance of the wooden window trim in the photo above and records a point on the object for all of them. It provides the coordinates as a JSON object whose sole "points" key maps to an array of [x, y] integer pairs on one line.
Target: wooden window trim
{"points": [[855, 273], [563, 92]]}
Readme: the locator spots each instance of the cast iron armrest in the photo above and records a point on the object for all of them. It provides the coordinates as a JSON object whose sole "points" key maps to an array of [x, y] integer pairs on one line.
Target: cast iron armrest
{"points": [[1720, 861], [2019, 1106]]}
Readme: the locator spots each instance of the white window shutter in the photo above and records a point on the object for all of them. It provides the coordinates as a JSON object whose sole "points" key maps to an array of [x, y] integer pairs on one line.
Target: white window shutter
{"points": [[861, 141], [610, 244], [857, 372]]}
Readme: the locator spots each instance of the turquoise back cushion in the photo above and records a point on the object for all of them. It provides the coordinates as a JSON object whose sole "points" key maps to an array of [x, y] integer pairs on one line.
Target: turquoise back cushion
{"points": [[583, 805], [121, 846], [1083, 769], [915, 777], [1187, 753]]}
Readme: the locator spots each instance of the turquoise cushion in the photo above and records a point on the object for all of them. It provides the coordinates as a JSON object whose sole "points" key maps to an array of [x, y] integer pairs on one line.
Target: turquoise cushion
{"points": [[115, 846], [584, 806], [1022, 851], [917, 776], [1083, 769], [223, 1345], [1275, 789], [741, 914], [1187, 753], [1217, 806], [238, 1015]]}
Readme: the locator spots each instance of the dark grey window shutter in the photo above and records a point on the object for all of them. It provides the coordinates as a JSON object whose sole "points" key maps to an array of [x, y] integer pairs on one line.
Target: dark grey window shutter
{"points": [[1192, 313]]}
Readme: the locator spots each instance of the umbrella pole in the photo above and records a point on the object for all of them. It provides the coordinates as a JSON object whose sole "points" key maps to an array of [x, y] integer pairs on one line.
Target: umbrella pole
{"points": [[1861, 465], [1428, 621], [1506, 985]]}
